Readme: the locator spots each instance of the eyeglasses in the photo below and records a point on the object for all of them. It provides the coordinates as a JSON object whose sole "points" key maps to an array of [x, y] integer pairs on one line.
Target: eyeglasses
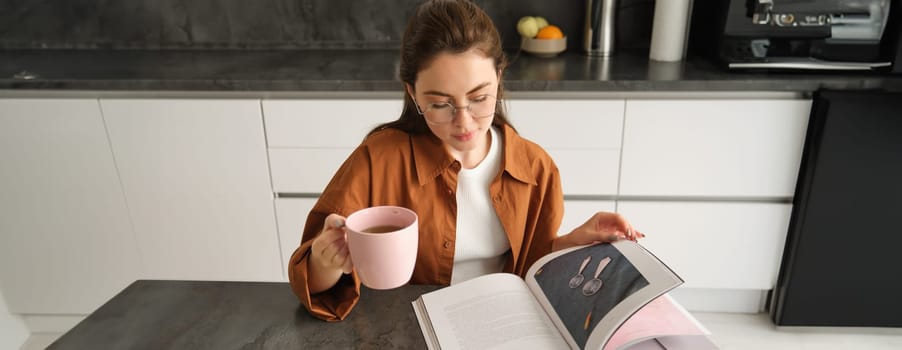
{"points": [[480, 107]]}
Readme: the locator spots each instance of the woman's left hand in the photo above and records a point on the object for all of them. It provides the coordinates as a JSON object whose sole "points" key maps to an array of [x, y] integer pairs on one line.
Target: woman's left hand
{"points": [[601, 227]]}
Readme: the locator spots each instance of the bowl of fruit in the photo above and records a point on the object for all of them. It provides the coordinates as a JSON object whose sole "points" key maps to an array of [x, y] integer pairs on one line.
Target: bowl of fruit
{"points": [[540, 38]]}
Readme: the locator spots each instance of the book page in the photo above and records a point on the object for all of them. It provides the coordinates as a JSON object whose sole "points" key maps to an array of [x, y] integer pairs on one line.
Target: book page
{"points": [[590, 291], [493, 311], [661, 317]]}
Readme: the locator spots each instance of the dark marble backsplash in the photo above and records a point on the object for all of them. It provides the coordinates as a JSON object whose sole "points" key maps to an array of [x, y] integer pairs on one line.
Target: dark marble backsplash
{"points": [[271, 24]]}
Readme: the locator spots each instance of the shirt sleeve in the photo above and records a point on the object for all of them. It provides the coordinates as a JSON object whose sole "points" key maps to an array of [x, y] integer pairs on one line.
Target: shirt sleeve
{"points": [[347, 192], [331, 305]]}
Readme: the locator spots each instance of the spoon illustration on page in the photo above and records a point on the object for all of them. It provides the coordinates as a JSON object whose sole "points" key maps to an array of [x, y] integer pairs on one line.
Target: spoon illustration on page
{"points": [[592, 287], [576, 280]]}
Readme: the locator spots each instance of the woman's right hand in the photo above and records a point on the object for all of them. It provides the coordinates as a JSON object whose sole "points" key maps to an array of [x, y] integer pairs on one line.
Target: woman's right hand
{"points": [[329, 256]]}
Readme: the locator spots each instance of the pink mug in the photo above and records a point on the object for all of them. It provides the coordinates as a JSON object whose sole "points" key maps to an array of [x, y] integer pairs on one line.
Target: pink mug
{"points": [[383, 244]]}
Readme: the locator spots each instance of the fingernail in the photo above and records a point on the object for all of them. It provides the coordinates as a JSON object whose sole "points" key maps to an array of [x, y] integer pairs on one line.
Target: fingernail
{"points": [[338, 223]]}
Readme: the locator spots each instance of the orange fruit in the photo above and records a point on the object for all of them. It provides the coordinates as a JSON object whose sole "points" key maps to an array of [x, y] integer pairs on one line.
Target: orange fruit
{"points": [[550, 32]]}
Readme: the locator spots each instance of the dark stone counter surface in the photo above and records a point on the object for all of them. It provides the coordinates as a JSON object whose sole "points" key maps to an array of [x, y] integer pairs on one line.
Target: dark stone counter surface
{"points": [[242, 315], [375, 70]]}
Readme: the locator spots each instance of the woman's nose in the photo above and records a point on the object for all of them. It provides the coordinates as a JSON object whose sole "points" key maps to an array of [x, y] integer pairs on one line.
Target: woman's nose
{"points": [[463, 116]]}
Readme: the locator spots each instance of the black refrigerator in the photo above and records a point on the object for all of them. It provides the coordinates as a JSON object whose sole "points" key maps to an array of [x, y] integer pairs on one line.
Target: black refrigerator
{"points": [[842, 263]]}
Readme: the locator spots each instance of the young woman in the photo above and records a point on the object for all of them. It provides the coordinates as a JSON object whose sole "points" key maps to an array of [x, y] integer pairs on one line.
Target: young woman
{"points": [[488, 200]]}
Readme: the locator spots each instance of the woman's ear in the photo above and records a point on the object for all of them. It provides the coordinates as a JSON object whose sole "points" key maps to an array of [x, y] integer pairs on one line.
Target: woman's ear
{"points": [[409, 90]]}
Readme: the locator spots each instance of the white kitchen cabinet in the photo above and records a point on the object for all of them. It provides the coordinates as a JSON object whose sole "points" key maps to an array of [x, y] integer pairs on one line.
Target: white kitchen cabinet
{"points": [[712, 148], [325, 123], [708, 182], [309, 139], [194, 174], [179, 189], [66, 243], [582, 136], [306, 146], [305, 170], [292, 215], [714, 245]]}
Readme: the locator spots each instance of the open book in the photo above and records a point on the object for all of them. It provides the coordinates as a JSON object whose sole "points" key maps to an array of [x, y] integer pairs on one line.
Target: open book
{"points": [[603, 296]]}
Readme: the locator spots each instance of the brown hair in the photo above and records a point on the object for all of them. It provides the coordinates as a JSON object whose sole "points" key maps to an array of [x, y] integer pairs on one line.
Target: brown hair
{"points": [[439, 26]]}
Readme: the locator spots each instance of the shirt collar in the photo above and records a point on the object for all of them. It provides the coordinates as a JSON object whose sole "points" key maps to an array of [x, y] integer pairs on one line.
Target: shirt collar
{"points": [[431, 158]]}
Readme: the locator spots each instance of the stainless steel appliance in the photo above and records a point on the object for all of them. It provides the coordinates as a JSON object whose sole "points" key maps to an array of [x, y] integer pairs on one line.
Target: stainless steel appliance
{"points": [[799, 34], [599, 27]]}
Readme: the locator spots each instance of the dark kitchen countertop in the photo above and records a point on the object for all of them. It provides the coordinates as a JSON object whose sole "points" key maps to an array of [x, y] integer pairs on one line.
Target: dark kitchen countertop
{"points": [[242, 315], [374, 70]]}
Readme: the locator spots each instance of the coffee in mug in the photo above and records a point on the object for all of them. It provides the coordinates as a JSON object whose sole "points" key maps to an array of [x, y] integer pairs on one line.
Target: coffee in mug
{"points": [[383, 243], [382, 229]]}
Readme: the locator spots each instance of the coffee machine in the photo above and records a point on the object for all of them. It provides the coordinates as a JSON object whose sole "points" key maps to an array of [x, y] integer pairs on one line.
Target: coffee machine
{"points": [[800, 34]]}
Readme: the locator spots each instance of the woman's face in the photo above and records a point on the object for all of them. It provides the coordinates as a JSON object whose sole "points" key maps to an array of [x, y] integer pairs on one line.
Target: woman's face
{"points": [[458, 79]]}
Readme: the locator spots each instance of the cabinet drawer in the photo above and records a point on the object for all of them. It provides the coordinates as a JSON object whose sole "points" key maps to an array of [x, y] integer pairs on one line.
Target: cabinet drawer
{"points": [[582, 136], [714, 245], [324, 123], [741, 148], [587, 171], [292, 215], [569, 124], [301, 170]]}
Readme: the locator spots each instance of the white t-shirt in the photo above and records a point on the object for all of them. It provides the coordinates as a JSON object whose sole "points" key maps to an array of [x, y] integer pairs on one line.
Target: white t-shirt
{"points": [[481, 243]]}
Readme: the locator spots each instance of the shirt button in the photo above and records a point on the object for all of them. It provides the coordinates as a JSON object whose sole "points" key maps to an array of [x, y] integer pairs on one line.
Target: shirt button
{"points": [[447, 244]]}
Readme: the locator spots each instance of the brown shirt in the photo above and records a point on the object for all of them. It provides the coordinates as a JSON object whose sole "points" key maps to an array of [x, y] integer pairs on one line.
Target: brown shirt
{"points": [[392, 167]]}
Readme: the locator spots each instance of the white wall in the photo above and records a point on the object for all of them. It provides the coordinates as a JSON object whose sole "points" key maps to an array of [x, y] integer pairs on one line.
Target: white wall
{"points": [[12, 330]]}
